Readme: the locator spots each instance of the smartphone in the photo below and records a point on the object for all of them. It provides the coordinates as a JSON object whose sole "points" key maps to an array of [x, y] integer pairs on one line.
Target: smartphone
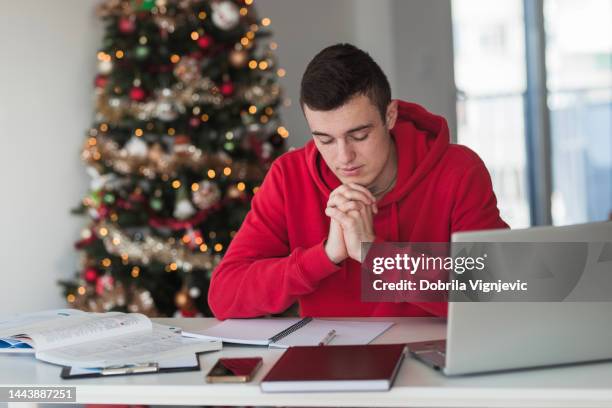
{"points": [[231, 370]]}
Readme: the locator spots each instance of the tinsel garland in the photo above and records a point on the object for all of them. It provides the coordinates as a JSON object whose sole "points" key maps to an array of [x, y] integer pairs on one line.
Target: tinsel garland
{"points": [[153, 248], [168, 103], [102, 149]]}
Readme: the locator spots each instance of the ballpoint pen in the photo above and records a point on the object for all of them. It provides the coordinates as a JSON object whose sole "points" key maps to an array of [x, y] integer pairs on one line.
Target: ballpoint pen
{"points": [[325, 341]]}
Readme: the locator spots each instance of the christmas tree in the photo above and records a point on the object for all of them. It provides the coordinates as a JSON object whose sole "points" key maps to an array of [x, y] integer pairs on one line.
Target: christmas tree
{"points": [[186, 126]]}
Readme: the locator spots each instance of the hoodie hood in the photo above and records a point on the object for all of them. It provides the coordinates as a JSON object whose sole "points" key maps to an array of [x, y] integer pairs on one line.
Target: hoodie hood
{"points": [[421, 138]]}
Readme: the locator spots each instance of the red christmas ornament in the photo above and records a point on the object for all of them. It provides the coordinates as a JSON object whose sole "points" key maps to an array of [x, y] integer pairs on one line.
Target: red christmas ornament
{"points": [[104, 283], [101, 81], [85, 242], [227, 88], [189, 313], [90, 275], [127, 25], [194, 121], [103, 212], [205, 41], [137, 94]]}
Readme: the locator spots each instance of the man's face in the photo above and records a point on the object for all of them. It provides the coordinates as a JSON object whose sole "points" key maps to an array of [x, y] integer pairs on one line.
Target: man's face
{"points": [[353, 139]]}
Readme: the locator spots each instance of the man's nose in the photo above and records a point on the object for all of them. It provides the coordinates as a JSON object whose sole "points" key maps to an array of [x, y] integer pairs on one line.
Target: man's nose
{"points": [[346, 154]]}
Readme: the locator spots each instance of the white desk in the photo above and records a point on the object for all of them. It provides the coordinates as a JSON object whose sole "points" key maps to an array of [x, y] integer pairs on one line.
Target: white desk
{"points": [[587, 385]]}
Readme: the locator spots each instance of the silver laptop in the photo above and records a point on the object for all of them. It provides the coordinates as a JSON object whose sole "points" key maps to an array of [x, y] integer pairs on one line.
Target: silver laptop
{"points": [[492, 336]]}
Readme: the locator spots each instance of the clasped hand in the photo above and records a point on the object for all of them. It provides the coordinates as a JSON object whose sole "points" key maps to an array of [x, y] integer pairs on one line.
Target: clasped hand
{"points": [[351, 208]]}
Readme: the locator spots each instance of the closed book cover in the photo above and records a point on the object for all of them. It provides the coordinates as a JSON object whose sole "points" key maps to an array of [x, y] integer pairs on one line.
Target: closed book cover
{"points": [[335, 368]]}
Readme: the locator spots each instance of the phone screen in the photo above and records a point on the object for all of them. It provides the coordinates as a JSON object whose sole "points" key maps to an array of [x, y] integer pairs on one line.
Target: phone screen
{"points": [[235, 367]]}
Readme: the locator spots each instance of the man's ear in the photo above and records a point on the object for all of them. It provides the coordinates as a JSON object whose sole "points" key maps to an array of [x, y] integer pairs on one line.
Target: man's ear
{"points": [[391, 115]]}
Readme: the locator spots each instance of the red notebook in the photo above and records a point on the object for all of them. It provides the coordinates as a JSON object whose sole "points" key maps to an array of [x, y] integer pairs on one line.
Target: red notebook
{"points": [[369, 367]]}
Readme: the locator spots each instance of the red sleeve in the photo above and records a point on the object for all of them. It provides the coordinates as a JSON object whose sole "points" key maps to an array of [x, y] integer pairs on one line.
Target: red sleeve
{"points": [[475, 206], [260, 274]]}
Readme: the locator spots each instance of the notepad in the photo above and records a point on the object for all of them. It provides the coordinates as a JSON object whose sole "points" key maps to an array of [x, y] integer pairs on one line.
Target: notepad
{"points": [[370, 367], [283, 333]]}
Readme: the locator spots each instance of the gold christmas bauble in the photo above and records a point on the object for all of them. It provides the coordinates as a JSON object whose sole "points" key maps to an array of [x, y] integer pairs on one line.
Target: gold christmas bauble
{"points": [[238, 58]]}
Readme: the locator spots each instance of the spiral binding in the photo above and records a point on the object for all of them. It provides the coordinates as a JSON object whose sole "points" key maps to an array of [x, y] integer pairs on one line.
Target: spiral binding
{"points": [[290, 329]]}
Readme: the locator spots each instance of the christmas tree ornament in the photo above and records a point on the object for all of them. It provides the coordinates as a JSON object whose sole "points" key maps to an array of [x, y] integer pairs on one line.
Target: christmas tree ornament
{"points": [[90, 275], [206, 195], [99, 181], [205, 42], [183, 209], [105, 66], [104, 283], [225, 15], [94, 198], [165, 106], [101, 81], [194, 121], [137, 94], [86, 233], [185, 304], [144, 5], [238, 58], [127, 25], [166, 24], [195, 292], [109, 198], [136, 147], [227, 88], [156, 203], [142, 52], [182, 145]]}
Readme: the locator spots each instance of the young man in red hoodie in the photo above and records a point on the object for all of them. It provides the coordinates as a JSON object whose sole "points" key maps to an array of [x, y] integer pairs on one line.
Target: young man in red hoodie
{"points": [[376, 170]]}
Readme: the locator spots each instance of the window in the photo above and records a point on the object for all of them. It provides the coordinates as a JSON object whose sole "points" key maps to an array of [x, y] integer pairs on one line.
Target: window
{"points": [[490, 77], [490, 73], [579, 81]]}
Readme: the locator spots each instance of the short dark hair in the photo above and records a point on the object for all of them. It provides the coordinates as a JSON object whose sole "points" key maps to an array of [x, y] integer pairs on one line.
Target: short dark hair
{"points": [[339, 72]]}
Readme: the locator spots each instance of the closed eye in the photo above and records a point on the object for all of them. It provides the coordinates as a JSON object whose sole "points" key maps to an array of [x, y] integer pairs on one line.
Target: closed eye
{"points": [[360, 137], [325, 140]]}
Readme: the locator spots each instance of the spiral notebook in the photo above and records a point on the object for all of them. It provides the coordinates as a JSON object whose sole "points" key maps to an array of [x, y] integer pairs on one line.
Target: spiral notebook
{"points": [[284, 333]]}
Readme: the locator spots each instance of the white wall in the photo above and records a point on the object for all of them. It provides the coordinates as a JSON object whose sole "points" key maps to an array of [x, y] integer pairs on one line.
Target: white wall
{"points": [[46, 73], [46, 103], [424, 56]]}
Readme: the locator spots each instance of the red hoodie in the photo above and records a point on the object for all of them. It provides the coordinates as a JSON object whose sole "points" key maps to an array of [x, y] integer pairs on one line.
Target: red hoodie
{"points": [[278, 256]]}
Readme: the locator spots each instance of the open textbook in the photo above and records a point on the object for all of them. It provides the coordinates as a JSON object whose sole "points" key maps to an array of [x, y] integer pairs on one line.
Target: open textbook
{"points": [[74, 338]]}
